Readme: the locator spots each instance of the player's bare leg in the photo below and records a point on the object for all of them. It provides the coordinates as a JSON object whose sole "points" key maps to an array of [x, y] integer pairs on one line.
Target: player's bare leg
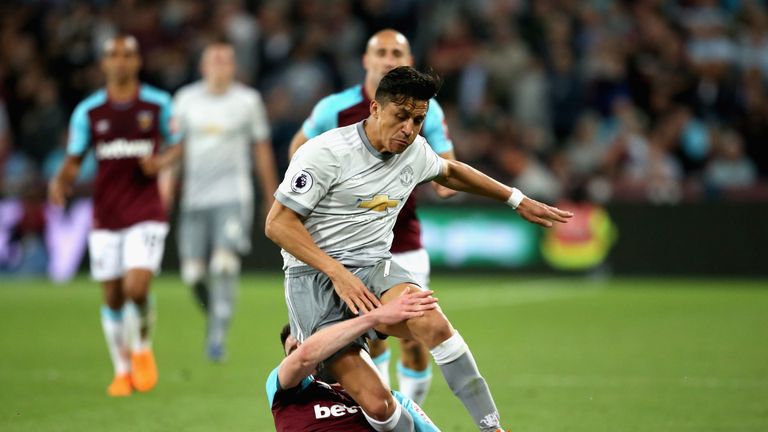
{"points": [[453, 357], [143, 366], [113, 324], [380, 354], [364, 384]]}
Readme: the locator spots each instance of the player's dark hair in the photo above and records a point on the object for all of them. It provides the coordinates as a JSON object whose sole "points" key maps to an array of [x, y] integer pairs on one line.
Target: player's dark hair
{"points": [[284, 333], [404, 82]]}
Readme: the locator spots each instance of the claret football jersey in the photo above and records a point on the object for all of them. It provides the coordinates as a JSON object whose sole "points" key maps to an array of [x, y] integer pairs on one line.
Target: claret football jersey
{"points": [[120, 135]]}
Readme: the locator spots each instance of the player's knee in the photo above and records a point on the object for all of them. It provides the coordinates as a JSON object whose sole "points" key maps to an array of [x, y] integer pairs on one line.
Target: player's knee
{"points": [[136, 285], [224, 261], [192, 271], [378, 405], [434, 328]]}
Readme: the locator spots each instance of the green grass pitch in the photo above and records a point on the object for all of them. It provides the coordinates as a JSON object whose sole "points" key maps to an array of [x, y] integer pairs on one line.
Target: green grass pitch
{"points": [[559, 355]]}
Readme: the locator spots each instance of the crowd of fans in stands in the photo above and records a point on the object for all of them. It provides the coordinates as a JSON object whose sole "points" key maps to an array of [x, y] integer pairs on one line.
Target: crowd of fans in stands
{"points": [[654, 100]]}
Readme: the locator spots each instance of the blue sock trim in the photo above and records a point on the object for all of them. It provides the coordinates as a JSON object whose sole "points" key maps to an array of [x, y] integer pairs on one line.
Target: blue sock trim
{"points": [[385, 356], [420, 419], [410, 373], [109, 313]]}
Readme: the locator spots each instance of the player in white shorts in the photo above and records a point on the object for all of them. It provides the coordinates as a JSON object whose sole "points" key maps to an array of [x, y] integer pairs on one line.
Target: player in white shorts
{"points": [[124, 125]]}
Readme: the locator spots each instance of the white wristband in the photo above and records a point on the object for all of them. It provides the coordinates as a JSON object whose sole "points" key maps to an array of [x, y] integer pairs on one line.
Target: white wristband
{"points": [[516, 198]]}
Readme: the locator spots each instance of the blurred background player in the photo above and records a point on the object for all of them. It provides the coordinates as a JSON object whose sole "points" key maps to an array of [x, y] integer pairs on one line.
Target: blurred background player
{"points": [[301, 402], [124, 124], [224, 126], [386, 50]]}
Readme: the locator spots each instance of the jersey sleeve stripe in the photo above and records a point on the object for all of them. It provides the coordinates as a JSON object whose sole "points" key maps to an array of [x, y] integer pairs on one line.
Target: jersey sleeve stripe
{"points": [[291, 204]]}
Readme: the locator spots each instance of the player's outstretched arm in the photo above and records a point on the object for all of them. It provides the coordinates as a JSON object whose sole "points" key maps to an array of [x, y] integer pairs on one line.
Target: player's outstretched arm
{"points": [[460, 176], [60, 186], [329, 340], [440, 190], [284, 227]]}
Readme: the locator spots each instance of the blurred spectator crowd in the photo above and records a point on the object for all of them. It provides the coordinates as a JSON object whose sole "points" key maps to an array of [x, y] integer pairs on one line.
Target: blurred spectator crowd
{"points": [[655, 100]]}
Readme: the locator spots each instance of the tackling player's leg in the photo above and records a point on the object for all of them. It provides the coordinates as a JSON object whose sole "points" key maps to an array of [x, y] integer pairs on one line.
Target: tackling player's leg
{"points": [[363, 383]]}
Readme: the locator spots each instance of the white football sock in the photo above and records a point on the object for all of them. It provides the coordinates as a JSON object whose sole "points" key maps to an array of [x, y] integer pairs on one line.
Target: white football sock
{"points": [[414, 384], [114, 332]]}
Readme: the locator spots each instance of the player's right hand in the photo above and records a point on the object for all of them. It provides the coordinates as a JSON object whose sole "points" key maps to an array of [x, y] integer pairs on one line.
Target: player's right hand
{"points": [[353, 292], [542, 214], [58, 192], [409, 304]]}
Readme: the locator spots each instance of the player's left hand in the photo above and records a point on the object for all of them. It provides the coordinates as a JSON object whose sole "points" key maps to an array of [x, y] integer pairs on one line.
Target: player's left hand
{"points": [[150, 165], [542, 214], [353, 292]]}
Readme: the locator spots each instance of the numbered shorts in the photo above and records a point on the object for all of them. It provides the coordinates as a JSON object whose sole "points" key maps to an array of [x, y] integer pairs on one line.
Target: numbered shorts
{"points": [[226, 226], [417, 263], [113, 252], [313, 303]]}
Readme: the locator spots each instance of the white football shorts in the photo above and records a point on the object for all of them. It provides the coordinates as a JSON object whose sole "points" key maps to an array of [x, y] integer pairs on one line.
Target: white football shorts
{"points": [[417, 263], [113, 252]]}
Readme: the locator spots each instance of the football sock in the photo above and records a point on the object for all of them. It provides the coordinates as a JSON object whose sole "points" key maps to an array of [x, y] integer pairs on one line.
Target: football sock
{"points": [[421, 421], [381, 362], [145, 315], [400, 421], [221, 306], [414, 384], [114, 332], [200, 289], [461, 373]]}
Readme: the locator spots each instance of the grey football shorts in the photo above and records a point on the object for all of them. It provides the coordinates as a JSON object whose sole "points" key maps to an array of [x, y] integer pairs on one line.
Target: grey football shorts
{"points": [[313, 303], [225, 226]]}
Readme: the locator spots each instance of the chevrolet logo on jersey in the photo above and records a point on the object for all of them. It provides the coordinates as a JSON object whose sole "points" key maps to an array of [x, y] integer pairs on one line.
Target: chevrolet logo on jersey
{"points": [[379, 203]]}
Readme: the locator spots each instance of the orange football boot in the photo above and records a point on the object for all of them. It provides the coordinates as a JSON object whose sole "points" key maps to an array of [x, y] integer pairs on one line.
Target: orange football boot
{"points": [[143, 370], [121, 386]]}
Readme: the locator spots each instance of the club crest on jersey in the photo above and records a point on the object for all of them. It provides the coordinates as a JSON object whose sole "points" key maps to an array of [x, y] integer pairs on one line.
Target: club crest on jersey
{"points": [[379, 203], [406, 176], [302, 182], [144, 118]]}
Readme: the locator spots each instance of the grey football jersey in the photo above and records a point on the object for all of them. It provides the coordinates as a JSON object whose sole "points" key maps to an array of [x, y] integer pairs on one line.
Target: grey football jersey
{"points": [[219, 131], [349, 194]]}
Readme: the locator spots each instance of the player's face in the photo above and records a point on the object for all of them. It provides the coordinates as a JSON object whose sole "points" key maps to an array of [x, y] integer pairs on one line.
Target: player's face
{"points": [[399, 124], [291, 343], [121, 62], [386, 51], [218, 64]]}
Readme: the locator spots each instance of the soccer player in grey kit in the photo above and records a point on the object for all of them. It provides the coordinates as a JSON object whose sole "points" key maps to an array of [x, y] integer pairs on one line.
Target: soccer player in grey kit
{"points": [[225, 134], [333, 217]]}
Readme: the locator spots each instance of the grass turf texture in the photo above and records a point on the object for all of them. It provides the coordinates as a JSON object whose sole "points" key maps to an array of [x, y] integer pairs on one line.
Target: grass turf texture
{"points": [[559, 354]]}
